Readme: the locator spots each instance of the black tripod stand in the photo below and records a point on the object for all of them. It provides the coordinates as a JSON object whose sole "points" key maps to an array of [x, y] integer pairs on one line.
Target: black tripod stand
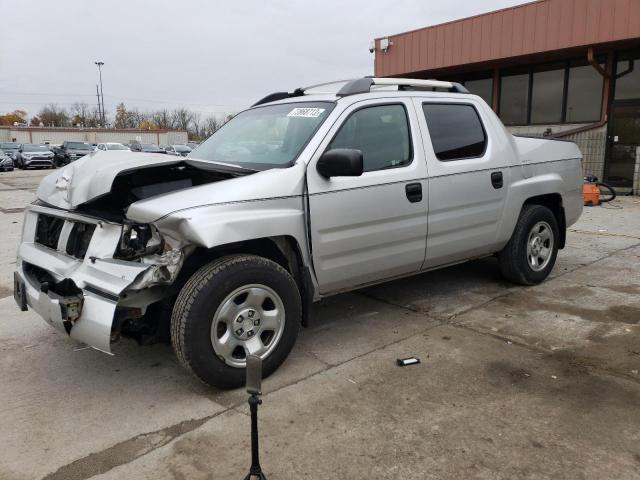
{"points": [[254, 384]]}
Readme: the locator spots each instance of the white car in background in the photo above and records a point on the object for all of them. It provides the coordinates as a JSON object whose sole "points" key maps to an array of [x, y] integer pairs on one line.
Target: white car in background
{"points": [[112, 146]]}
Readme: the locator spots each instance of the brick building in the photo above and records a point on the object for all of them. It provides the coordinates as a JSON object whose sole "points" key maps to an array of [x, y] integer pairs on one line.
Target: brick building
{"points": [[560, 68]]}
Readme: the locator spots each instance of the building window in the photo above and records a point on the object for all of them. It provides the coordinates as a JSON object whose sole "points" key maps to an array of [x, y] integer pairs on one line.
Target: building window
{"points": [[483, 88], [514, 99], [584, 94], [628, 77], [456, 131], [381, 133], [547, 96]]}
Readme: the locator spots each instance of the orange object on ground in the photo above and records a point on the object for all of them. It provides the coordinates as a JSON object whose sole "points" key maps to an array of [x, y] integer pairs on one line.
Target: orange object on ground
{"points": [[591, 194]]}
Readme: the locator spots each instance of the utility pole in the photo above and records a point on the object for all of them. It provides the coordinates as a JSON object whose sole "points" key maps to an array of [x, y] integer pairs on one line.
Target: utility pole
{"points": [[100, 64], [99, 108]]}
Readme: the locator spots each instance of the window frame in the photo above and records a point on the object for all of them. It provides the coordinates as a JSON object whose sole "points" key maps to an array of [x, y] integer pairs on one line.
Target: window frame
{"points": [[513, 73], [530, 70], [374, 105], [564, 67], [475, 109], [479, 77]]}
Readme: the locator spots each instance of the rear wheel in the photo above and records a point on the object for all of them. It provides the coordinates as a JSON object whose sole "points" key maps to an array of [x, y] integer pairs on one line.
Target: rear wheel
{"points": [[233, 307], [531, 253]]}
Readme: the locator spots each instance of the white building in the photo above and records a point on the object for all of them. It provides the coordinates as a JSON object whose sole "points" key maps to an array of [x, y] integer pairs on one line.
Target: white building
{"points": [[55, 135]]}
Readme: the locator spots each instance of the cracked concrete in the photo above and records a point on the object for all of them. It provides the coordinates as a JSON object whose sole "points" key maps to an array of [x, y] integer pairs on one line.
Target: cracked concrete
{"points": [[514, 382]]}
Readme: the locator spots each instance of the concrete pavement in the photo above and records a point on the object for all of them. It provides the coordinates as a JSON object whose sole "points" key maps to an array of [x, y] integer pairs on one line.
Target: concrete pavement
{"points": [[514, 382]]}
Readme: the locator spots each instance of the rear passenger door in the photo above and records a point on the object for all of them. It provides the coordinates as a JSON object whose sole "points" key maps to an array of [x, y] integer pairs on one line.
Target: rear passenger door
{"points": [[371, 227], [468, 175]]}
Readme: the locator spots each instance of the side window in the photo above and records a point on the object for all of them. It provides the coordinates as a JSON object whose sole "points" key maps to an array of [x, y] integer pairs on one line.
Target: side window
{"points": [[456, 131], [381, 133]]}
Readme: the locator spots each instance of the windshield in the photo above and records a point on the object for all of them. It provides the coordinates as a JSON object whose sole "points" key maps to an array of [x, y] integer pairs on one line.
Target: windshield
{"points": [[265, 137], [116, 146], [181, 148], [34, 148], [79, 146], [150, 147], [9, 146]]}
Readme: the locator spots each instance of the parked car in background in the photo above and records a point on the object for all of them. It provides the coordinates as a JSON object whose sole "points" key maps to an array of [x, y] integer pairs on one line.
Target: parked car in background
{"points": [[70, 151], [6, 162], [31, 155], [10, 148], [218, 246], [151, 148], [108, 146], [178, 150], [192, 145]]}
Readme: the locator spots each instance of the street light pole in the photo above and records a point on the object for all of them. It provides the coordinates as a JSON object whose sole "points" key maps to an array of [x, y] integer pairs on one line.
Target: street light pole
{"points": [[100, 64]]}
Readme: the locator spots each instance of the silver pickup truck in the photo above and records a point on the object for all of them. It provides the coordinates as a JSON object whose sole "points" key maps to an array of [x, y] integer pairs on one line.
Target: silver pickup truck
{"points": [[304, 195]]}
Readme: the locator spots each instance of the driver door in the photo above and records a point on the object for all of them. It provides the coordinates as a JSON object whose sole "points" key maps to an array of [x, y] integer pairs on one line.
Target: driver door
{"points": [[372, 227]]}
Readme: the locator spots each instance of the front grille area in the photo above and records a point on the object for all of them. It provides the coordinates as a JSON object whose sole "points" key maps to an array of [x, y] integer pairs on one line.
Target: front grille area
{"points": [[79, 239], [48, 230]]}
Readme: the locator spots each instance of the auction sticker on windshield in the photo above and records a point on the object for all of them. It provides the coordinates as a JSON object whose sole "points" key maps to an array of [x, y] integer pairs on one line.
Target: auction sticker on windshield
{"points": [[306, 112]]}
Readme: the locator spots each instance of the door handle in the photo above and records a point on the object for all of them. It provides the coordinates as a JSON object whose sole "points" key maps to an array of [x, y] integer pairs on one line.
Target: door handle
{"points": [[414, 192], [496, 179]]}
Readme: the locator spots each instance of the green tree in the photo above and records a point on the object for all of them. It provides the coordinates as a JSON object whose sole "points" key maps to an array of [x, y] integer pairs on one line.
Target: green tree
{"points": [[124, 118]]}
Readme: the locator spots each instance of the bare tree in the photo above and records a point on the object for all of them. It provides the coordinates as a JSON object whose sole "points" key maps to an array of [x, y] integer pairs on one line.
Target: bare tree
{"points": [[81, 114], [210, 125], [195, 132], [182, 118], [162, 119], [53, 116]]}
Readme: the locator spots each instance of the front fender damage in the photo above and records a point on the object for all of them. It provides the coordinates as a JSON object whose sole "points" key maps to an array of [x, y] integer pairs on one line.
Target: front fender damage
{"points": [[163, 269]]}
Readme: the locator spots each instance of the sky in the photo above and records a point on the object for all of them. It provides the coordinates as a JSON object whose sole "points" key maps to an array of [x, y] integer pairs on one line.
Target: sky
{"points": [[209, 56]]}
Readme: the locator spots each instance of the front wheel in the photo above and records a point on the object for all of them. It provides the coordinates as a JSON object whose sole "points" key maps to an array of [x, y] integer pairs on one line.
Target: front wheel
{"points": [[531, 253], [233, 307]]}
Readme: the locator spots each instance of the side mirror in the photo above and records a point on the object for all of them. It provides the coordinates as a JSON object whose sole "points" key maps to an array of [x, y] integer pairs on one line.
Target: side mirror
{"points": [[340, 162]]}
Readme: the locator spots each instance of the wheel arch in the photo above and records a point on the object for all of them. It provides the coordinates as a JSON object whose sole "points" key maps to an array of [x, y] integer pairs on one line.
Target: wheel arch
{"points": [[553, 201], [283, 250]]}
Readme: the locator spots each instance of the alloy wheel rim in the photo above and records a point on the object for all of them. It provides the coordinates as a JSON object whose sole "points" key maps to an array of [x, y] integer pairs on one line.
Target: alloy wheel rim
{"points": [[249, 321], [539, 246]]}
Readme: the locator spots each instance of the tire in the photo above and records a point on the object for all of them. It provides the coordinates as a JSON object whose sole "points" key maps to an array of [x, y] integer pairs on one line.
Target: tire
{"points": [[517, 260], [209, 314]]}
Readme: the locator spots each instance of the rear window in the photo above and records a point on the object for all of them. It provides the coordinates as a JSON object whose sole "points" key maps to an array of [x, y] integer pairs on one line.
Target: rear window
{"points": [[456, 131]]}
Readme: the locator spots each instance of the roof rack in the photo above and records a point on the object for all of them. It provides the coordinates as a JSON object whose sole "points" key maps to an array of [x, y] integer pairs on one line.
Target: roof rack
{"points": [[363, 85]]}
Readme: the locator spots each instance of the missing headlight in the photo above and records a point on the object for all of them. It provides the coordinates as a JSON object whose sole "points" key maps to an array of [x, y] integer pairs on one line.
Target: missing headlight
{"points": [[138, 240]]}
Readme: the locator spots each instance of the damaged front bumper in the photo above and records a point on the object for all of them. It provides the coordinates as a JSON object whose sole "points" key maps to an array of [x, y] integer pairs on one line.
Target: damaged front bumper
{"points": [[79, 291]]}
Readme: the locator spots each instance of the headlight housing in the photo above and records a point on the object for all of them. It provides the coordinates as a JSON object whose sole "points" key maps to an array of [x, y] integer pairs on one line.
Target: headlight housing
{"points": [[138, 240]]}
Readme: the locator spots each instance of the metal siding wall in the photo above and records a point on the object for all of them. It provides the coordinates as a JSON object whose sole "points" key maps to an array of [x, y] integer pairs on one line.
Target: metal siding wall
{"points": [[531, 28], [51, 135]]}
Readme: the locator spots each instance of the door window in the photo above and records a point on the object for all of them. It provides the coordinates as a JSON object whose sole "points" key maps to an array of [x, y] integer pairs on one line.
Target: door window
{"points": [[456, 131], [381, 133]]}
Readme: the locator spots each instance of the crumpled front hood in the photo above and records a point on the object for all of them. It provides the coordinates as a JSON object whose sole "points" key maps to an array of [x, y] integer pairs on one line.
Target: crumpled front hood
{"points": [[92, 176]]}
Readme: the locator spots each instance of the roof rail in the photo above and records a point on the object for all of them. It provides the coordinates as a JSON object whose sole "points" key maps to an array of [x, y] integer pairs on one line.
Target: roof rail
{"points": [[363, 85], [273, 97]]}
